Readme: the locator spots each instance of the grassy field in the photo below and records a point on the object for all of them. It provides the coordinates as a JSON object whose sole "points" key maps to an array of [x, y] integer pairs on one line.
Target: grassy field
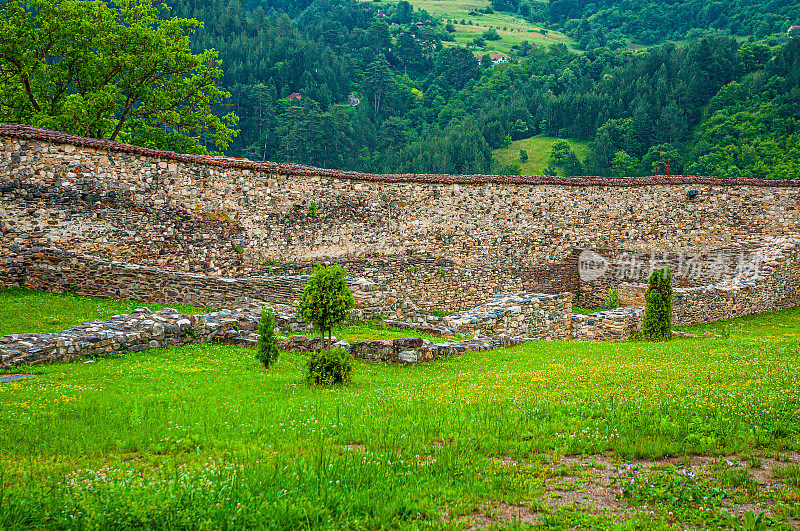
{"points": [[512, 29], [24, 310], [692, 433], [538, 148]]}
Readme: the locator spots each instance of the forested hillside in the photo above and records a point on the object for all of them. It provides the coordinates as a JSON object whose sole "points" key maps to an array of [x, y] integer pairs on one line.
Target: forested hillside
{"points": [[425, 105], [597, 23], [385, 87]]}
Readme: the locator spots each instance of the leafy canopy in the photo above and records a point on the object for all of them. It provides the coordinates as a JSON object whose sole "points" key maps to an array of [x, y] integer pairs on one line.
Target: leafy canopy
{"points": [[118, 73]]}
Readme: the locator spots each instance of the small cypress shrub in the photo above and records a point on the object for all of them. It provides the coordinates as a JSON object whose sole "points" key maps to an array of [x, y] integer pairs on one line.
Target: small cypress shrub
{"points": [[657, 320], [612, 299], [328, 367], [267, 347]]}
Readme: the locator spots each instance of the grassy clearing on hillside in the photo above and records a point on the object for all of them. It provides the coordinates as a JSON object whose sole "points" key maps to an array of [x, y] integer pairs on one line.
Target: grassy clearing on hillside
{"points": [[203, 437], [24, 310], [538, 148], [517, 29], [465, 33]]}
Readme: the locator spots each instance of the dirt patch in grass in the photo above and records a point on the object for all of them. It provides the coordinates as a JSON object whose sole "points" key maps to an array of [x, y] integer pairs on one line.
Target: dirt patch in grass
{"points": [[503, 513], [586, 483]]}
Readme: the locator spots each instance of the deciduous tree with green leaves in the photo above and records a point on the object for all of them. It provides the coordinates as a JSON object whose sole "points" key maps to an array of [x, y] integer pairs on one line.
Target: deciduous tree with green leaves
{"points": [[624, 165], [326, 300], [120, 71]]}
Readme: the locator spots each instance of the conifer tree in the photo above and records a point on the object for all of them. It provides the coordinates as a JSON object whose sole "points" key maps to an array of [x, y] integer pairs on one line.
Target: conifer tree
{"points": [[657, 320], [266, 348]]}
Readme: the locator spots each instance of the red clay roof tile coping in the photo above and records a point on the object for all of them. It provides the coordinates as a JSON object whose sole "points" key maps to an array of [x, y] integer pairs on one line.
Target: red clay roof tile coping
{"points": [[26, 132]]}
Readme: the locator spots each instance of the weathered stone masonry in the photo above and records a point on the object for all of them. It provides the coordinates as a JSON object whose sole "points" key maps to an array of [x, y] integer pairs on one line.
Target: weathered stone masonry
{"points": [[774, 284], [57, 270], [159, 209], [144, 329], [429, 242]]}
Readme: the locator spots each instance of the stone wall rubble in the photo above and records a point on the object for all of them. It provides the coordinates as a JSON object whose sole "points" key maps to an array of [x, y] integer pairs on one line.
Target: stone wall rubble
{"points": [[51, 269], [144, 329], [509, 318], [524, 314], [689, 269], [404, 350], [431, 284], [771, 283], [608, 325], [141, 330]]}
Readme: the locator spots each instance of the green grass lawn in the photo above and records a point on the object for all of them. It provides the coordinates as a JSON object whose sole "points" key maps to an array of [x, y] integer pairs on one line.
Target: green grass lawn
{"points": [[203, 437], [353, 332], [23, 310], [586, 311], [538, 148]]}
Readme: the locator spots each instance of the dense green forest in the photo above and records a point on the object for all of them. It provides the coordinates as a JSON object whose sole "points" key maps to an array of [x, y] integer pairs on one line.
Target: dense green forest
{"points": [[598, 23], [712, 105], [382, 87]]}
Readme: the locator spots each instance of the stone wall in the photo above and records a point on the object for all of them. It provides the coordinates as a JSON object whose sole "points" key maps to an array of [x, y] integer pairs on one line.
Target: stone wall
{"points": [[50, 269], [431, 284], [773, 283], [144, 329], [225, 217], [529, 315], [141, 330], [436, 242], [608, 325], [621, 267]]}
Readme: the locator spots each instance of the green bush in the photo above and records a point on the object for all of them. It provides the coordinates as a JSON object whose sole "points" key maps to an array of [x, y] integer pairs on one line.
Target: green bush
{"points": [[657, 320], [267, 347], [491, 35], [612, 299], [328, 367]]}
